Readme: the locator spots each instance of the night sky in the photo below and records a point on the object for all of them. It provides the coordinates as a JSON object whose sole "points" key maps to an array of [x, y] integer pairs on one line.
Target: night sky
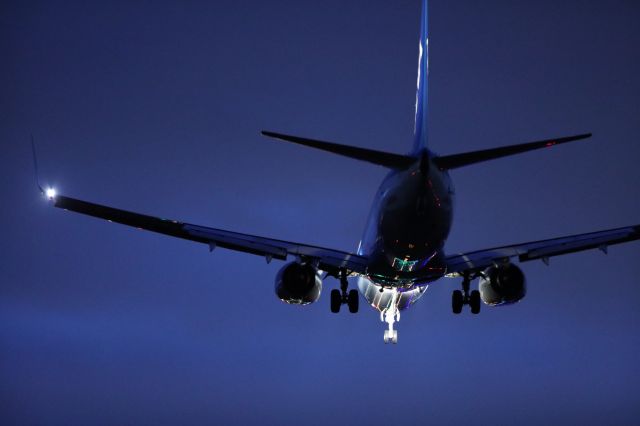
{"points": [[156, 107]]}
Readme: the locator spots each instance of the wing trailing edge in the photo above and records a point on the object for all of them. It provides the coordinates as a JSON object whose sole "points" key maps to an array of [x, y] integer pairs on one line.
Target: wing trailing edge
{"points": [[329, 260], [543, 249]]}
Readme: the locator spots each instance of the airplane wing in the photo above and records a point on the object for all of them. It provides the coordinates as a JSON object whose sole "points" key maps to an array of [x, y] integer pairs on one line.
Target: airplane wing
{"points": [[328, 260], [481, 259]]}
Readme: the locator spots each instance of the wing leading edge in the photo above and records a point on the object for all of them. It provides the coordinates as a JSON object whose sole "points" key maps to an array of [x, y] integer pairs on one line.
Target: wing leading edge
{"points": [[544, 249], [328, 259]]}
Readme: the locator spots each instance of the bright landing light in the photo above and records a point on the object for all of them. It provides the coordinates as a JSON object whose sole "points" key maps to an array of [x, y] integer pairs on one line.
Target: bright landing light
{"points": [[50, 193]]}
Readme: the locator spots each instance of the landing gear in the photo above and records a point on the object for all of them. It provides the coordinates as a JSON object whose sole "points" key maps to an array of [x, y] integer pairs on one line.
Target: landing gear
{"points": [[391, 336], [391, 315], [457, 300], [464, 297], [336, 300], [474, 302], [342, 297], [353, 301]]}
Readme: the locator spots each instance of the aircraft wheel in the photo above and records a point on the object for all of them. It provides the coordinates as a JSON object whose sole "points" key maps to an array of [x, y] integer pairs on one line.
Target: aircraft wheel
{"points": [[457, 302], [353, 301], [336, 301], [391, 336], [475, 302]]}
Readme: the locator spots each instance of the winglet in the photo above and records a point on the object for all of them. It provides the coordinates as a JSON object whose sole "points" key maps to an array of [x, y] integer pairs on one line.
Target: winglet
{"points": [[49, 193], [35, 165]]}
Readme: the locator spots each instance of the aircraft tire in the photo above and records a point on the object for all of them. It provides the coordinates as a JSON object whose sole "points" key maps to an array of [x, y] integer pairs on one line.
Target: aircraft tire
{"points": [[456, 301], [336, 301], [353, 301], [475, 302]]}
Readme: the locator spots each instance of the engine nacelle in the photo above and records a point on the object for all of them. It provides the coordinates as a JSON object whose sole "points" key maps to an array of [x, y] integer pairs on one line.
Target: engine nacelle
{"points": [[502, 285], [298, 283]]}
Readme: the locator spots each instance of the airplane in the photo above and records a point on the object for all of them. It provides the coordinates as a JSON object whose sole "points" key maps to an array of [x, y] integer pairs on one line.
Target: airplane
{"points": [[402, 250]]}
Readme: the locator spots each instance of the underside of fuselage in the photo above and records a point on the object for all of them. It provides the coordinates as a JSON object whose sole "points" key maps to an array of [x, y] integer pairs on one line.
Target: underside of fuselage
{"points": [[409, 222], [383, 298]]}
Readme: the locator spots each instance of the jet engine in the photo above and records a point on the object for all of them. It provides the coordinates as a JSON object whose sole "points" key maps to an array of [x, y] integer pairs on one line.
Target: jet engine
{"points": [[502, 285], [298, 283]]}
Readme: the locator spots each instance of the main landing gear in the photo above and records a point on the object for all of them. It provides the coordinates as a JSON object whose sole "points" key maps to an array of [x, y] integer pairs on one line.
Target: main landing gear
{"points": [[461, 298], [342, 297]]}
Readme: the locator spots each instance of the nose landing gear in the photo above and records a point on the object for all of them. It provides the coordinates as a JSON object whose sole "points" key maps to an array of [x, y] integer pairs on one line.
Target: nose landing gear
{"points": [[461, 298], [342, 297], [391, 315]]}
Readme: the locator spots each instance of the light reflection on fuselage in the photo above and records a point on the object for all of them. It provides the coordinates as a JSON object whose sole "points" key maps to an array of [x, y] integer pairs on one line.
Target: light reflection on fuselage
{"points": [[382, 298]]}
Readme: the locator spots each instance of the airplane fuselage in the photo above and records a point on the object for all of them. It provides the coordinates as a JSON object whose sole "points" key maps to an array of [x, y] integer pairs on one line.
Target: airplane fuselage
{"points": [[407, 227]]}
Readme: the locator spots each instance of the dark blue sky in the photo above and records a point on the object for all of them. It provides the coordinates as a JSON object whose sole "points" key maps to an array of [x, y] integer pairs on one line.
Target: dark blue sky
{"points": [[157, 106]]}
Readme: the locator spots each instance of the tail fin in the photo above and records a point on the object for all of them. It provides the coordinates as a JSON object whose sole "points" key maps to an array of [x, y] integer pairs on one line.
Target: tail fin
{"points": [[420, 129]]}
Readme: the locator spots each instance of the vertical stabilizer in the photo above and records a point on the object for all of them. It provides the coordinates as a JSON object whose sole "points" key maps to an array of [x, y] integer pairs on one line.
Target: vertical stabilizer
{"points": [[420, 129]]}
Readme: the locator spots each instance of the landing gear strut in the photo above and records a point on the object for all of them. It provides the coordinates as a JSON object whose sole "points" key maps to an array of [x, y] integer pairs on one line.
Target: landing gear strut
{"points": [[461, 298], [391, 315], [342, 297]]}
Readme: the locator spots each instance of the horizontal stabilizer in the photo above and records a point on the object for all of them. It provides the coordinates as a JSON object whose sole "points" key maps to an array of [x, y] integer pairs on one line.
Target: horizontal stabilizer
{"points": [[386, 159], [467, 158]]}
